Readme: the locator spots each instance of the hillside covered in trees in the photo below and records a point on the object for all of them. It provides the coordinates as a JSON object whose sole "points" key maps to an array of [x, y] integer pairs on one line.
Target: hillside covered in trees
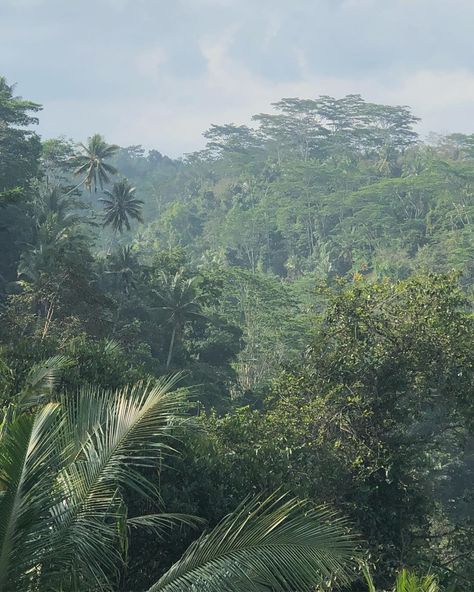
{"points": [[293, 304]]}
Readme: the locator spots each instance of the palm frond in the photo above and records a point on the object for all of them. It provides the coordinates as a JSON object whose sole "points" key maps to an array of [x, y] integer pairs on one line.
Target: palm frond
{"points": [[27, 450], [274, 544], [368, 577], [42, 379], [113, 435], [411, 582], [158, 523]]}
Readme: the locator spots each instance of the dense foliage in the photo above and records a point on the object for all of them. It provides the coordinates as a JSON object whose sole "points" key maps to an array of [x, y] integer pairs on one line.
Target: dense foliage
{"points": [[310, 280]]}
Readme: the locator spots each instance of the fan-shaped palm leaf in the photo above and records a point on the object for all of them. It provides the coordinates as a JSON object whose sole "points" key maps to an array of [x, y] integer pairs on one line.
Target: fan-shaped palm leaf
{"points": [[274, 544]]}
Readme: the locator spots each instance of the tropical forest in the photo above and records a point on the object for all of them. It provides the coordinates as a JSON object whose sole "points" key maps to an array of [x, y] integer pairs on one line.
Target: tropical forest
{"points": [[249, 368]]}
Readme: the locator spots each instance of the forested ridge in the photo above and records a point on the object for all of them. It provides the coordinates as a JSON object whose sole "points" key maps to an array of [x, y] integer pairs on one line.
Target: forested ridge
{"points": [[280, 323]]}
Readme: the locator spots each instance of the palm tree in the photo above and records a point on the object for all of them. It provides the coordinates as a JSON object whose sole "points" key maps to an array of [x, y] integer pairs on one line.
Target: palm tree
{"points": [[64, 522], [123, 265], [120, 205], [58, 228], [124, 269], [181, 303], [58, 238], [91, 163], [51, 200]]}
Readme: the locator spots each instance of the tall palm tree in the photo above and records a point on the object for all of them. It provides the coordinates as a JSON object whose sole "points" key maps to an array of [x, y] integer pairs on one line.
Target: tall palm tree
{"points": [[64, 522], [120, 205], [181, 302], [123, 265], [52, 203], [59, 226], [91, 163]]}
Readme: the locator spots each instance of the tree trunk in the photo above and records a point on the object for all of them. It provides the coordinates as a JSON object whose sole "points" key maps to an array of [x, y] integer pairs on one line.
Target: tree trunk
{"points": [[76, 187], [170, 351]]}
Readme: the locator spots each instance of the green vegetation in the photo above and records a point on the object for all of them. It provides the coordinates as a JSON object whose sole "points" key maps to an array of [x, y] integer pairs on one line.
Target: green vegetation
{"points": [[264, 346], [64, 520]]}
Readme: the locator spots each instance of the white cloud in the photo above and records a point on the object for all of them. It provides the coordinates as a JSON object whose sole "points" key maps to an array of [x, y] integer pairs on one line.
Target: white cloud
{"points": [[444, 99], [142, 83], [174, 119], [442, 88], [149, 61]]}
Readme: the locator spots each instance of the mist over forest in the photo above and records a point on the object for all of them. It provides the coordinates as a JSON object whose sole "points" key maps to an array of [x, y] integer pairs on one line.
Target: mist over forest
{"points": [[264, 346]]}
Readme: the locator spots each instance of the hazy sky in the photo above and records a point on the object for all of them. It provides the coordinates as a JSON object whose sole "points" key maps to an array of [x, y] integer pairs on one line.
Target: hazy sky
{"points": [[158, 72]]}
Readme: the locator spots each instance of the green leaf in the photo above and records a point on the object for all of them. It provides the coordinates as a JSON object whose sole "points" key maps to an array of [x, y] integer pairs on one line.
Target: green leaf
{"points": [[276, 544]]}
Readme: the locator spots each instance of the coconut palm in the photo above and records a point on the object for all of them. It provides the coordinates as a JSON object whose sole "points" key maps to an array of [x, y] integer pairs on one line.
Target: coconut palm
{"points": [[123, 265], [91, 165], [120, 205], [51, 200], [64, 522], [181, 303], [59, 225]]}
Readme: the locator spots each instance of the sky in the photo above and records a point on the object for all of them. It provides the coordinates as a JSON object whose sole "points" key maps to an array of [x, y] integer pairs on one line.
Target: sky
{"points": [[160, 72]]}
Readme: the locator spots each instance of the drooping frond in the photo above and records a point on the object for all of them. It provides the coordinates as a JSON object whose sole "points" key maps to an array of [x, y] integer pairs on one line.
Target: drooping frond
{"points": [[277, 544], [42, 379], [159, 523], [368, 577], [27, 452], [113, 435]]}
